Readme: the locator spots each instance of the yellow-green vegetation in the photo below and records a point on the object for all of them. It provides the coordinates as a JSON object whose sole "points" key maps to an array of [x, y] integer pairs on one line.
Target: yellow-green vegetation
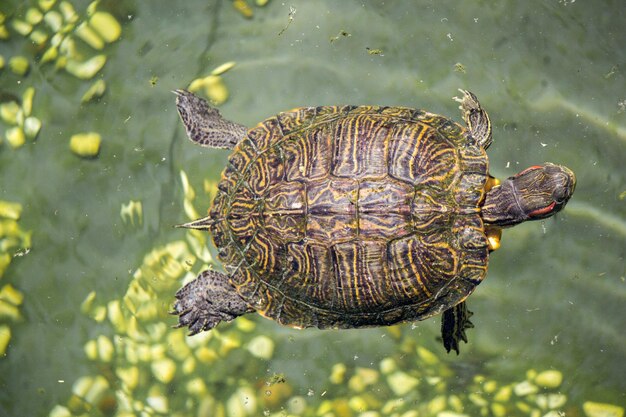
{"points": [[213, 85], [22, 124], [14, 242], [245, 9], [86, 145], [63, 37], [96, 90], [132, 213], [143, 359]]}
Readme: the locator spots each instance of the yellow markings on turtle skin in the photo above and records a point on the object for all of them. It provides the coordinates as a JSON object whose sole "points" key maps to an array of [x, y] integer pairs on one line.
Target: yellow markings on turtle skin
{"points": [[494, 235], [491, 182]]}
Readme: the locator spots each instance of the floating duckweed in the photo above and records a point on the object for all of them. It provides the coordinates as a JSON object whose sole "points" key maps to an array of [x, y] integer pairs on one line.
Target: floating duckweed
{"points": [[33, 16], [10, 210], [86, 69], [401, 383], [337, 373], [87, 305], [206, 355], [115, 315], [4, 33], [50, 55], [490, 386], [19, 65], [245, 325], [477, 399], [69, 14], [9, 112], [213, 87], [32, 126], [106, 25], [99, 314], [158, 402], [196, 386], [96, 90], [5, 260], [549, 379], [9, 294], [105, 348], [46, 5], [524, 388], [223, 68], [427, 356], [89, 36], [131, 211], [129, 376], [15, 136], [86, 145], [437, 404], [1, 60], [21, 27], [60, 411], [357, 403], [54, 20], [593, 409], [498, 410], [503, 394], [362, 378], [164, 370], [5, 338], [27, 101], [261, 347], [243, 8], [38, 37], [387, 365], [91, 350], [9, 311]]}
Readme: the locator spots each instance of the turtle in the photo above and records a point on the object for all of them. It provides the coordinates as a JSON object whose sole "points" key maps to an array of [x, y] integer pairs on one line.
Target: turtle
{"points": [[356, 216]]}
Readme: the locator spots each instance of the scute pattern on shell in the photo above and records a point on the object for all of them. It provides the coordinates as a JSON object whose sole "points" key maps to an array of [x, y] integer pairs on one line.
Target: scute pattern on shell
{"points": [[352, 216]]}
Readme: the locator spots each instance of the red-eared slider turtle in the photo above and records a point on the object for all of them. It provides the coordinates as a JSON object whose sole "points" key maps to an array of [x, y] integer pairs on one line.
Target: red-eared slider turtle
{"points": [[355, 216]]}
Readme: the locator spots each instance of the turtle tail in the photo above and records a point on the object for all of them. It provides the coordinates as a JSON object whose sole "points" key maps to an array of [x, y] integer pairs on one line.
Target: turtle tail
{"points": [[204, 223]]}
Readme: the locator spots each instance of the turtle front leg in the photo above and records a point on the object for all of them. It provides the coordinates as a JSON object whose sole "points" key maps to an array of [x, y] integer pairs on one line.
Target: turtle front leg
{"points": [[208, 300], [453, 324], [475, 118], [205, 125]]}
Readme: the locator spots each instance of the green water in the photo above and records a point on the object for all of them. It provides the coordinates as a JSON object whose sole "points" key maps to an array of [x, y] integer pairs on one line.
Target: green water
{"points": [[552, 75]]}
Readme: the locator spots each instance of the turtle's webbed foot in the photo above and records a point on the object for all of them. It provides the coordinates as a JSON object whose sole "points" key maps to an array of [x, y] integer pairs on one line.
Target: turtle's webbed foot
{"points": [[206, 301]]}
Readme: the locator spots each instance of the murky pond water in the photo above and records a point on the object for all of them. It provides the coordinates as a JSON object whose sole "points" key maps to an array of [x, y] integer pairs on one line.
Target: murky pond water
{"points": [[89, 258]]}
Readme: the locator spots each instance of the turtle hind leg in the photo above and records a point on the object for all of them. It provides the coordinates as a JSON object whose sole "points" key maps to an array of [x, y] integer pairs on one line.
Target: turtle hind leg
{"points": [[453, 324], [204, 124], [476, 119], [208, 300]]}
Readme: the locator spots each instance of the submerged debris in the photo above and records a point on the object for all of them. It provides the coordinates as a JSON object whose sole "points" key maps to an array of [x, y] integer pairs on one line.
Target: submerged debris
{"points": [[292, 13], [374, 51], [341, 34]]}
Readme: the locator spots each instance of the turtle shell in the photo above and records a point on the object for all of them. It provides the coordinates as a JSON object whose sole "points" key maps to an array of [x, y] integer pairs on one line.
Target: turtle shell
{"points": [[353, 216]]}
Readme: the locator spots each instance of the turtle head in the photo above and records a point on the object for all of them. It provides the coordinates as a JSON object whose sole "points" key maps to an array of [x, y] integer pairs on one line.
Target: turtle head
{"points": [[533, 194]]}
